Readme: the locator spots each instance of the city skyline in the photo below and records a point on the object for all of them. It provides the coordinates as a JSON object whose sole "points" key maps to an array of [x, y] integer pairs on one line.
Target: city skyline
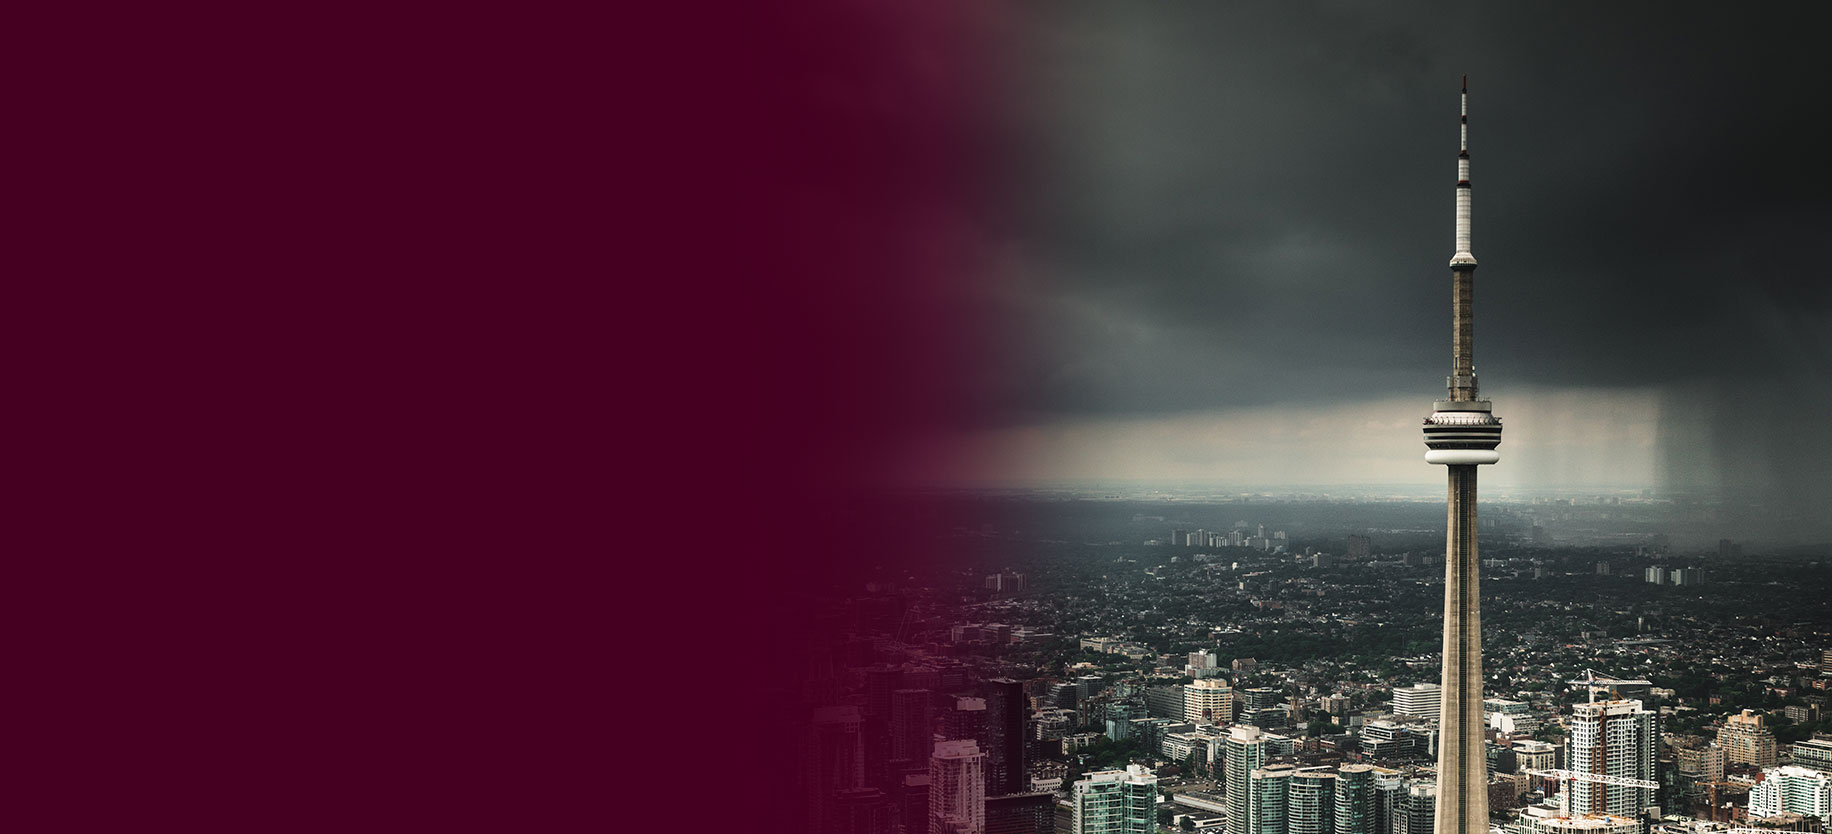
{"points": [[1278, 683]]}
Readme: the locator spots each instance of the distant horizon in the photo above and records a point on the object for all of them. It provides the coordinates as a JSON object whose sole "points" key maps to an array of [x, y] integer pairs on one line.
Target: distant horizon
{"points": [[1181, 488], [1695, 518]]}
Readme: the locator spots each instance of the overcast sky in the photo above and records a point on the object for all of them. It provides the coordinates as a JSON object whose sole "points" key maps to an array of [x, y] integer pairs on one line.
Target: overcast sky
{"points": [[1234, 220]]}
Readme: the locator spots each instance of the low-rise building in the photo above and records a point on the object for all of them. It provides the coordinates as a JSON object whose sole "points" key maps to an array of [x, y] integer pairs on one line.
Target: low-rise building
{"points": [[1421, 700], [1531, 755], [1540, 819]]}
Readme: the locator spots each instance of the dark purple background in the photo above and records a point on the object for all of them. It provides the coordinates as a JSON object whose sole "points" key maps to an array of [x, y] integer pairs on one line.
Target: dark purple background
{"points": [[425, 410]]}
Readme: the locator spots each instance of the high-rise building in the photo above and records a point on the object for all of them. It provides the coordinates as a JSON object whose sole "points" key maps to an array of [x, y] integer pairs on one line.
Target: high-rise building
{"points": [[1697, 760], [1419, 810], [912, 724], [1746, 739], [1270, 718], [1387, 740], [1500, 761], [1245, 751], [1259, 698], [835, 760], [957, 789], [862, 811], [1506, 789], [1268, 791], [1280, 745], [1422, 700], [1311, 805], [1825, 661], [1791, 790], [913, 803], [1461, 434], [1164, 702], [1209, 701], [1815, 753], [1006, 581], [1021, 813], [1511, 717], [1389, 794], [966, 720], [1119, 717], [1615, 738], [1006, 708], [1116, 802], [1354, 810]]}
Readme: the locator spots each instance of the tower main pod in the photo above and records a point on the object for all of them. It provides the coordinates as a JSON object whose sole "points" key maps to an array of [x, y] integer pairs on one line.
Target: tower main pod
{"points": [[1461, 434]]}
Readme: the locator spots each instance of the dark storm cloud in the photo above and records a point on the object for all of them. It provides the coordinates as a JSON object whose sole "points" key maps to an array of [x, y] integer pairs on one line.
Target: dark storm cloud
{"points": [[1243, 204], [1250, 178]]}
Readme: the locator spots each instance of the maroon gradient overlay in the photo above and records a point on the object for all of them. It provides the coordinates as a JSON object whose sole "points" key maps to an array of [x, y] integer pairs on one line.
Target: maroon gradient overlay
{"points": [[441, 417], [867, 161]]}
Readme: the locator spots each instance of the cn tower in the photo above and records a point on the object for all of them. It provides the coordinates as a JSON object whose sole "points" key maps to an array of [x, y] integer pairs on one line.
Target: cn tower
{"points": [[1461, 434]]}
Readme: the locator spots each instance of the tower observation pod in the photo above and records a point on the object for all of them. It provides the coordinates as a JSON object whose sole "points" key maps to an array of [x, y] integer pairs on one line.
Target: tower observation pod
{"points": [[1461, 434]]}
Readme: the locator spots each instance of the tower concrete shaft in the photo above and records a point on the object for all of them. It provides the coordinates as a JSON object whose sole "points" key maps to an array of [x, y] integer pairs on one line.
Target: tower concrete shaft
{"points": [[1462, 757], [1462, 433]]}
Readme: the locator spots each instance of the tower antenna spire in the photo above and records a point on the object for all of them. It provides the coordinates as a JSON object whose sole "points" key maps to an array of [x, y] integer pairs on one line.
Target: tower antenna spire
{"points": [[1462, 382]]}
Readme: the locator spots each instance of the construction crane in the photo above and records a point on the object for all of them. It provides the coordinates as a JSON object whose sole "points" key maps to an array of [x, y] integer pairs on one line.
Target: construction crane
{"points": [[1564, 795], [1591, 682]]}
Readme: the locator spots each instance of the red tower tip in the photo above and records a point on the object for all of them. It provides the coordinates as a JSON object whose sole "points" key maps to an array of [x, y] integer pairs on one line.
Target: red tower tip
{"points": [[1466, 83]]}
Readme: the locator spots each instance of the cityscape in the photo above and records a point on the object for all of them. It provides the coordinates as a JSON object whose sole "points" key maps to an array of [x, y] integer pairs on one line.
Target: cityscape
{"points": [[1093, 662], [1270, 663], [1135, 492]]}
